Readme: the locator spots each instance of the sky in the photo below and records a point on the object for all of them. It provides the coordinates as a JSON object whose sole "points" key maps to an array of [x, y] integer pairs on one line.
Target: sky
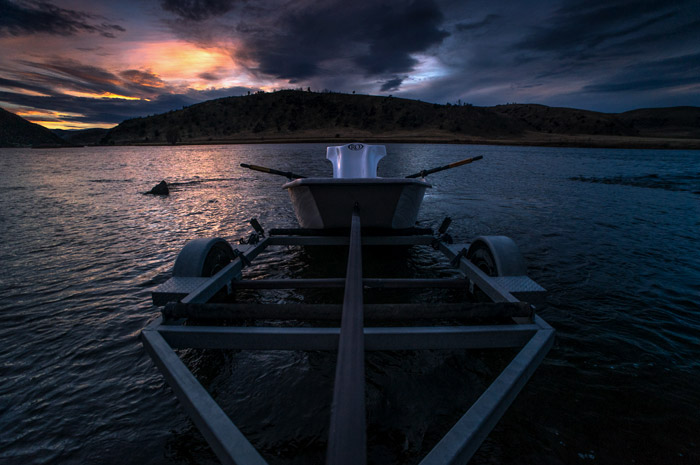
{"points": [[75, 64]]}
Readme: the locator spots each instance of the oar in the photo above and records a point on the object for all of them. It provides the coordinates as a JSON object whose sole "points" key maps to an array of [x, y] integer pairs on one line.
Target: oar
{"points": [[262, 169], [424, 173]]}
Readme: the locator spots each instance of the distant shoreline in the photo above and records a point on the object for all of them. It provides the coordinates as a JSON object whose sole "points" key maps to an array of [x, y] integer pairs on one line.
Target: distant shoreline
{"points": [[289, 117], [584, 141]]}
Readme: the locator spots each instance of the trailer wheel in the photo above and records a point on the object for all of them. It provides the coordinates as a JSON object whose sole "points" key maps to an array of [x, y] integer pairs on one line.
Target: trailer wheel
{"points": [[203, 257], [480, 255], [218, 257]]}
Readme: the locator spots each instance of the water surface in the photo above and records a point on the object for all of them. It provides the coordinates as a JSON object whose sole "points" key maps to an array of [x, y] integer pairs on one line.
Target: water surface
{"points": [[612, 234]]}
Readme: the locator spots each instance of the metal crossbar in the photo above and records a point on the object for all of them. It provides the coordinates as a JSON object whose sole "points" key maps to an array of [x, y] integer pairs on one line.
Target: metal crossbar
{"points": [[477, 312], [347, 437], [377, 283], [382, 338]]}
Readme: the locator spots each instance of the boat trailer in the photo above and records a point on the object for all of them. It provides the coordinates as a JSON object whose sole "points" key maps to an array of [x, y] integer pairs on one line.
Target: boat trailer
{"points": [[206, 267]]}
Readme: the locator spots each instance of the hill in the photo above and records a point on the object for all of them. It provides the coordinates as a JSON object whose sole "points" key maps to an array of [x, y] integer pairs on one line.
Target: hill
{"points": [[81, 136], [569, 121], [16, 131], [296, 116], [683, 122], [673, 122], [290, 115]]}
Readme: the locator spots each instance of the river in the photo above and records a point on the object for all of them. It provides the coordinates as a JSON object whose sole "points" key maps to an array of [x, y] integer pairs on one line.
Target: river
{"points": [[612, 234]]}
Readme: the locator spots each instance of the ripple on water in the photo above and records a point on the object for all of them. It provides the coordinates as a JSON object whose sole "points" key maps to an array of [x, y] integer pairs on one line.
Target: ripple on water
{"points": [[611, 234]]}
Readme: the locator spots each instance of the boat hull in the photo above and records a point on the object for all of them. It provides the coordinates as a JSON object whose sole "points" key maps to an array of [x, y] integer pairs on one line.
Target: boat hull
{"points": [[326, 203]]}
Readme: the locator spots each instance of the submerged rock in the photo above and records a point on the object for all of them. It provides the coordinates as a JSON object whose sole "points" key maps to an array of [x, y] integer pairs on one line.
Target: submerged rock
{"points": [[160, 189]]}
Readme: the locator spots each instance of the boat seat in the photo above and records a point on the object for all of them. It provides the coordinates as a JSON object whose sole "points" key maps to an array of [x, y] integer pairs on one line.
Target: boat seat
{"points": [[355, 160]]}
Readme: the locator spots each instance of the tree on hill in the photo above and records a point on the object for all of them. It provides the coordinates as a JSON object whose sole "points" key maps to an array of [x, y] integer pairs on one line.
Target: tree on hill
{"points": [[172, 135]]}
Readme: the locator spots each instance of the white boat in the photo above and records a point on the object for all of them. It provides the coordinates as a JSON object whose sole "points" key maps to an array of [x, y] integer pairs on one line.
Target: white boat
{"points": [[327, 203]]}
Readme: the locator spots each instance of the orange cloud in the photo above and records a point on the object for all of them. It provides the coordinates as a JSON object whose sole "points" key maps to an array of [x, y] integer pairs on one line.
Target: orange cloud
{"points": [[177, 60], [56, 119], [182, 64], [45, 114], [73, 125], [18, 90], [100, 95]]}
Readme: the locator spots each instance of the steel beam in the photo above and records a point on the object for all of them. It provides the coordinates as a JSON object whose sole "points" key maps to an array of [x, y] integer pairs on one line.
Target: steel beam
{"points": [[344, 240], [385, 338], [448, 337], [347, 436], [465, 437], [228, 443], [474, 312], [375, 283]]}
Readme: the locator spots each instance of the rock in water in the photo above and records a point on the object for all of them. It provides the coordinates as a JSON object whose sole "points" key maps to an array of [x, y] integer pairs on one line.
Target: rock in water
{"points": [[160, 189]]}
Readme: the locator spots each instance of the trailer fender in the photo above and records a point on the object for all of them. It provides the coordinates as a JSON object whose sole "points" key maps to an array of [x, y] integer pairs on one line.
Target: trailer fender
{"points": [[497, 256], [203, 257]]}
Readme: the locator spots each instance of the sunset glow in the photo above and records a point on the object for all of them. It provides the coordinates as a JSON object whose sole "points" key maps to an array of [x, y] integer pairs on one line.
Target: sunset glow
{"points": [[112, 61], [57, 120], [102, 95], [180, 61], [35, 114], [70, 125]]}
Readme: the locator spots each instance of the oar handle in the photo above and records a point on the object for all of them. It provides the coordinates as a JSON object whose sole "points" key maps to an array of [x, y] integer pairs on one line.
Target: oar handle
{"points": [[263, 169], [424, 173]]}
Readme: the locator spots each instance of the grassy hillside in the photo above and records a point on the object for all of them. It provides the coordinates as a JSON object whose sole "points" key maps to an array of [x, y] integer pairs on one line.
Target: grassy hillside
{"points": [[81, 136], [303, 115], [293, 116], [16, 131], [296, 116], [681, 122], [553, 120]]}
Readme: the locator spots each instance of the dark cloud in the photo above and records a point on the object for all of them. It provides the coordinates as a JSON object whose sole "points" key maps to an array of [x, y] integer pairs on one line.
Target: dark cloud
{"points": [[197, 10], [394, 37], [142, 80], [663, 40], [247, 28], [653, 75], [201, 33], [372, 38], [73, 75], [215, 74], [487, 21], [391, 84], [27, 86], [565, 53], [582, 27], [60, 75], [35, 17], [208, 76]]}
